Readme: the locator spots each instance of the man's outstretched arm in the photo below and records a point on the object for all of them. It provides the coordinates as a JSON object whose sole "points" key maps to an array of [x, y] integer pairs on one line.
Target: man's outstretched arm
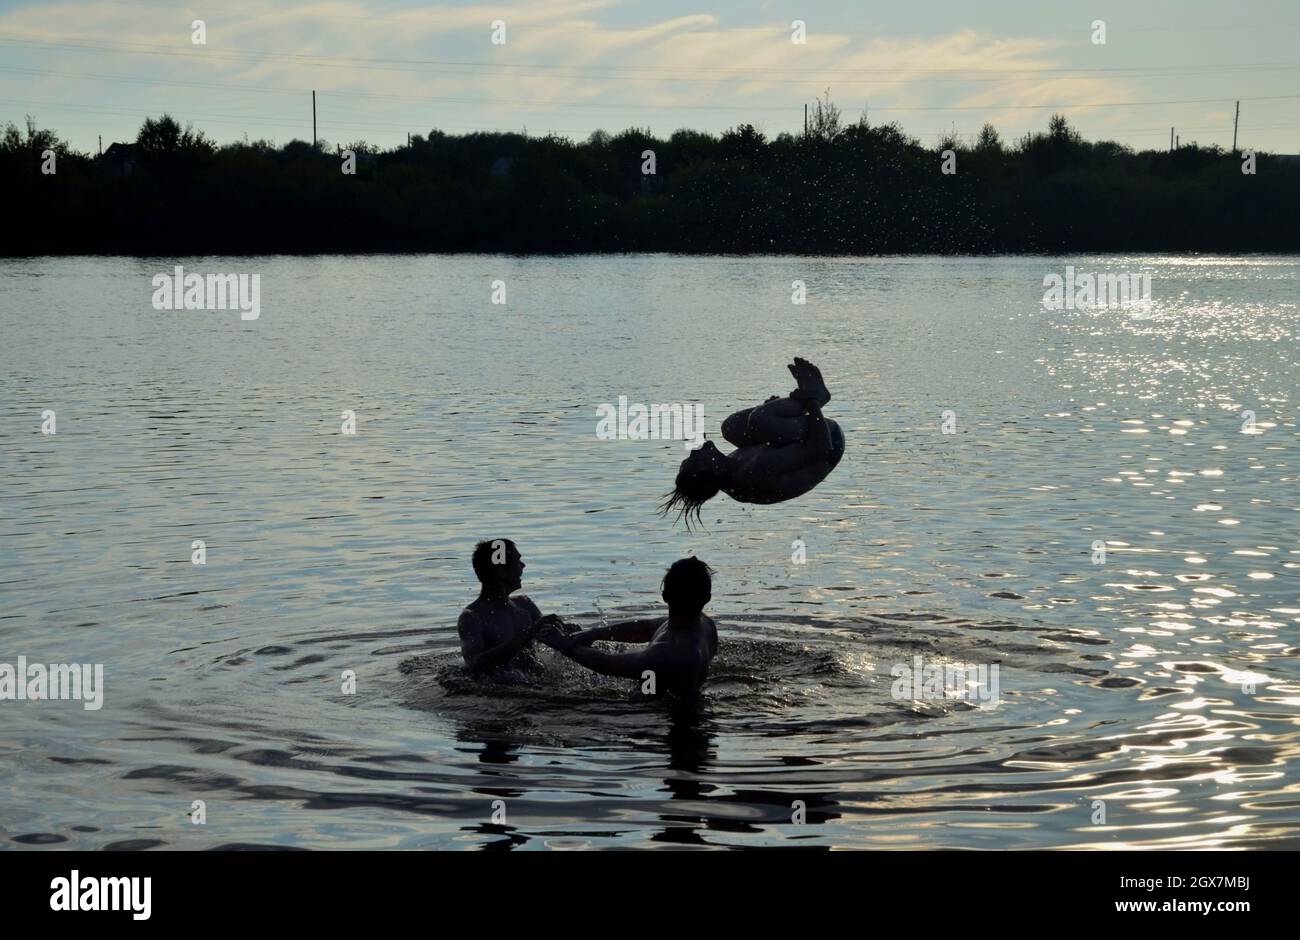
{"points": [[624, 665], [628, 631]]}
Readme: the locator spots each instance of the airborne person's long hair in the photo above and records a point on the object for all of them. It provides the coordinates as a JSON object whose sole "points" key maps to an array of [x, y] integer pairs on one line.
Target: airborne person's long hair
{"points": [[691, 492]]}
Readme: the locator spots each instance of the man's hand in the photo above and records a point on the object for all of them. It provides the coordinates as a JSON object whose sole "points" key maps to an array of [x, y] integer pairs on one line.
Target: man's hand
{"points": [[566, 644], [551, 630]]}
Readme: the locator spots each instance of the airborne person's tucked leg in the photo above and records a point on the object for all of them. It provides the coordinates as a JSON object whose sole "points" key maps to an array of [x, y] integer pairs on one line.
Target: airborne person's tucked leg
{"points": [[776, 422], [780, 421]]}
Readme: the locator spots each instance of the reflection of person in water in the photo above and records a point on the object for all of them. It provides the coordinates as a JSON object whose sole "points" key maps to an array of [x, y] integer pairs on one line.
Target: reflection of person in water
{"points": [[496, 630], [784, 448], [677, 650]]}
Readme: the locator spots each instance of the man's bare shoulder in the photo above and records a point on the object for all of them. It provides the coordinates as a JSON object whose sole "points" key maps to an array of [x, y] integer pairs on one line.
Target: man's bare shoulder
{"points": [[525, 602]]}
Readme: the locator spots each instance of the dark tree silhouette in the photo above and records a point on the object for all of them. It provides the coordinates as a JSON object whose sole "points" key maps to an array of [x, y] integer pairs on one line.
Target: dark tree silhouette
{"points": [[842, 188]]}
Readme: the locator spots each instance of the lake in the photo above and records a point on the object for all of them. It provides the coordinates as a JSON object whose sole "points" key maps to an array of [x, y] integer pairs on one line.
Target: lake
{"points": [[1101, 502]]}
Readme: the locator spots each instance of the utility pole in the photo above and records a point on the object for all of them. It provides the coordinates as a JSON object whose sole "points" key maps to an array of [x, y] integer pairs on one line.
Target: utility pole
{"points": [[313, 119], [805, 119], [101, 144], [1178, 142], [1171, 140], [1234, 127]]}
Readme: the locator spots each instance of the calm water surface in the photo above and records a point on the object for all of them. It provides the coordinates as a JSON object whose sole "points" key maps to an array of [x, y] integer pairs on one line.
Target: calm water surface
{"points": [[1163, 682]]}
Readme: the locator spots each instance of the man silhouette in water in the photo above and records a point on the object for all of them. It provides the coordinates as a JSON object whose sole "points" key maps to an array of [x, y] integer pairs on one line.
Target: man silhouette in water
{"points": [[678, 649], [496, 630]]}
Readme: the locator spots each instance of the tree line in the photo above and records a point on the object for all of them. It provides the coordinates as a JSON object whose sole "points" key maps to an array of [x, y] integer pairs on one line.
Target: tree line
{"points": [[838, 188]]}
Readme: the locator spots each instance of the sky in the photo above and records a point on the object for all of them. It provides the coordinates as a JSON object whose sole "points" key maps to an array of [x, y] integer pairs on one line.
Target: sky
{"points": [[387, 68]]}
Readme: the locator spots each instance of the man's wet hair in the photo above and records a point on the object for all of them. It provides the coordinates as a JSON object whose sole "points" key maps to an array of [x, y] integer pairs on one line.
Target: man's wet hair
{"points": [[482, 561], [687, 586]]}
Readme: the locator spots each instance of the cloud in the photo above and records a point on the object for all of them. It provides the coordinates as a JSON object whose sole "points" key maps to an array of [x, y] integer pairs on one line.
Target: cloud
{"points": [[566, 62]]}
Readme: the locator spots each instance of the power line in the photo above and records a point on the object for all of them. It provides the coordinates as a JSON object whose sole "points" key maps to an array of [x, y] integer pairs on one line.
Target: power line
{"points": [[206, 84], [410, 16], [288, 121], [757, 73], [630, 106], [377, 95], [1095, 104], [242, 120]]}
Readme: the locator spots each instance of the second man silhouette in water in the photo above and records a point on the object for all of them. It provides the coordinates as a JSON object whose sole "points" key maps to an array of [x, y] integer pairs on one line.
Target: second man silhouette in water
{"points": [[678, 648]]}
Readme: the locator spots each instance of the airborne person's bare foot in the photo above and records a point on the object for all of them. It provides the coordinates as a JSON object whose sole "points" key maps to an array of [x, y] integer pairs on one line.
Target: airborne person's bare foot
{"points": [[811, 385]]}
